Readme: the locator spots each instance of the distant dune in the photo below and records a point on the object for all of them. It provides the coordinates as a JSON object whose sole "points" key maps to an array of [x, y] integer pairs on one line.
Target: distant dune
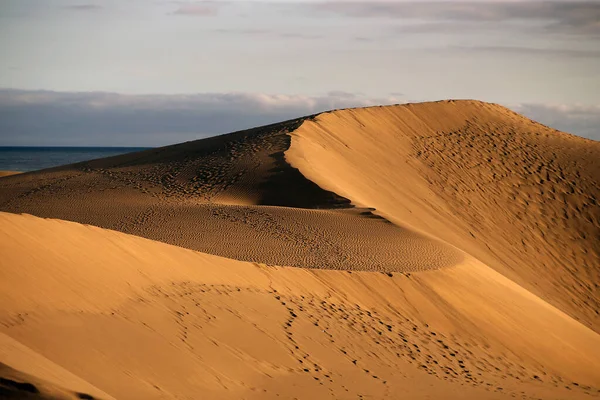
{"points": [[8, 173], [452, 247]]}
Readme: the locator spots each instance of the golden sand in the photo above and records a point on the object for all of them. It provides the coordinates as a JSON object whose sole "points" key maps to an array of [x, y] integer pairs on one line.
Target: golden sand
{"points": [[437, 250]]}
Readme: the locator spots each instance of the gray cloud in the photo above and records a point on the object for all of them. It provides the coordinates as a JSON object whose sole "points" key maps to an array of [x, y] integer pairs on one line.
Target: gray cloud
{"points": [[43, 118], [296, 35], [530, 50], [198, 9], [562, 16], [582, 120], [363, 39], [83, 7], [266, 32], [243, 31]]}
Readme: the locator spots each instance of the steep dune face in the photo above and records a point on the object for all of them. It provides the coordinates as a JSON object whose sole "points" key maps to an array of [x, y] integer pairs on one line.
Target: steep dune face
{"points": [[141, 319], [517, 195]]}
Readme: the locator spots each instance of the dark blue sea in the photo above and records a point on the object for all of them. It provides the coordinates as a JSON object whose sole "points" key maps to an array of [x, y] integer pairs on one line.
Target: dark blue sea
{"points": [[25, 159]]}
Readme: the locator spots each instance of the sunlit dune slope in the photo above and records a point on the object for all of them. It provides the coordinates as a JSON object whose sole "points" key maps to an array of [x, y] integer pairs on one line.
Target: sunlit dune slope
{"points": [[138, 319], [519, 196]]}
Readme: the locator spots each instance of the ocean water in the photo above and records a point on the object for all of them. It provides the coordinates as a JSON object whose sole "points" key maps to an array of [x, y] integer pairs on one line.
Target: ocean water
{"points": [[25, 159]]}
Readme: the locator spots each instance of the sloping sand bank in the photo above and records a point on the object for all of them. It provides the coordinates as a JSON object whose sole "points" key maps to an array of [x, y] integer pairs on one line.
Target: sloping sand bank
{"points": [[141, 319], [517, 195]]}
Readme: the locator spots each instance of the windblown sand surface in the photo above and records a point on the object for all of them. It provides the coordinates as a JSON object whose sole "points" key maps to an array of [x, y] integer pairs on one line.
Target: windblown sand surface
{"points": [[453, 249], [141, 319], [234, 196]]}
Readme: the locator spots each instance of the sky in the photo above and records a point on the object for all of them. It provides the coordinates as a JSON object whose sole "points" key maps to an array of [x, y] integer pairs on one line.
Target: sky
{"points": [[154, 72]]}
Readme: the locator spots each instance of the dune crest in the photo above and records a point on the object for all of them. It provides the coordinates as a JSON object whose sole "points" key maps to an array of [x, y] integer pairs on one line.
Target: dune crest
{"points": [[223, 195], [142, 319], [517, 195]]}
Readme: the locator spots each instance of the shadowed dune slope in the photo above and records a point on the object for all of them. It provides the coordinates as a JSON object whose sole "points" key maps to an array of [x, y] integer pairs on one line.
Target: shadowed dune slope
{"points": [[17, 385], [139, 319], [519, 196], [44, 379], [232, 195]]}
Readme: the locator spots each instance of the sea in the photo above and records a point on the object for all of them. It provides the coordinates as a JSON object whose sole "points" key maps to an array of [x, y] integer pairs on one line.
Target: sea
{"points": [[24, 159]]}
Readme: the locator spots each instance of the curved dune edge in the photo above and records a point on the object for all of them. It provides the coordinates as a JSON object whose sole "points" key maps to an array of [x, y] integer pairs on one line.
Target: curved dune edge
{"points": [[142, 319], [44, 380], [515, 194], [234, 196]]}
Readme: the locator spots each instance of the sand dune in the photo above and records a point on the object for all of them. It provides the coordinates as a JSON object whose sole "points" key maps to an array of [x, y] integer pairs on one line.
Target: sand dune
{"points": [[142, 319], [454, 175], [453, 249], [222, 195], [8, 173], [517, 195]]}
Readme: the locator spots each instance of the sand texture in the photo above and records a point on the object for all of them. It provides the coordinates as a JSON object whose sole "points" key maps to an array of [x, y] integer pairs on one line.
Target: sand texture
{"points": [[141, 319], [519, 196], [437, 250], [222, 196]]}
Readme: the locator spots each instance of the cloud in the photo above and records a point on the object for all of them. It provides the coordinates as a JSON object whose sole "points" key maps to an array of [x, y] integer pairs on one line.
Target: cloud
{"points": [[363, 39], [582, 120], [57, 118], [83, 7], [530, 50], [296, 35], [267, 32], [580, 17], [43, 118], [340, 94], [243, 31], [206, 9]]}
